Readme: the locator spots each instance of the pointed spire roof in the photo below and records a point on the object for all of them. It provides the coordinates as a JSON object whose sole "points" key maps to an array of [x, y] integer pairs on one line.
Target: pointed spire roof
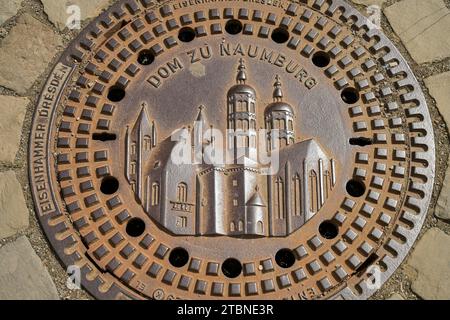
{"points": [[278, 104], [241, 87], [256, 200], [242, 75], [143, 119], [201, 116], [277, 92]]}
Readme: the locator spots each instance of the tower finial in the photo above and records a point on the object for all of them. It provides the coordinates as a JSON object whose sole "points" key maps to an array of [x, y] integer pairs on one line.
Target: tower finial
{"points": [[200, 115], [277, 92], [241, 76]]}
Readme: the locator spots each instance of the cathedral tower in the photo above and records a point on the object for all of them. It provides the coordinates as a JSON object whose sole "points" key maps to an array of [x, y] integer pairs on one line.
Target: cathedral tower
{"points": [[241, 105], [279, 116]]}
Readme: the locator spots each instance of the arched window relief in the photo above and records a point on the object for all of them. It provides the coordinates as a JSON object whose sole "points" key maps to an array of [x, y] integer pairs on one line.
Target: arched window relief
{"points": [[246, 106], [155, 194], [297, 195], [232, 227], [133, 148], [313, 191], [182, 190], [241, 225], [133, 167], [239, 124], [290, 125], [260, 227], [147, 143], [239, 106], [245, 124], [279, 198], [278, 124]]}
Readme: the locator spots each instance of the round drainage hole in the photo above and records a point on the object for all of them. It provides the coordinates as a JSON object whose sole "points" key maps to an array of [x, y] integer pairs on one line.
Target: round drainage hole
{"points": [[360, 141], [231, 268], [109, 185], [328, 230], [321, 59], [104, 136], [285, 258], [178, 257], [135, 227], [280, 35], [350, 95], [355, 188], [186, 34], [116, 94], [146, 57], [233, 26]]}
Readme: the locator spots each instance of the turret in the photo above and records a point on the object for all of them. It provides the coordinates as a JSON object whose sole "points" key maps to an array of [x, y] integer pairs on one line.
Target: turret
{"points": [[241, 100], [279, 115]]}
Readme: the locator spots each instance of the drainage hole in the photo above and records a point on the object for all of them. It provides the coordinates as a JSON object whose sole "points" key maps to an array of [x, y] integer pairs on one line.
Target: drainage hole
{"points": [[104, 136], [280, 35], [350, 95], [146, 57], [231, 268], [135, 227], [116, 94], [233, 26], [109, 185], [186, 34], [178, 257], [360, 141], [328, 230], [355, 188], [285, 258], [321, 59]]}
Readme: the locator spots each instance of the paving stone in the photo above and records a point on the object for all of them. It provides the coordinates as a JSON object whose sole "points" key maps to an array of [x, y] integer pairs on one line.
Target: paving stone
{"points": [[56, 10], [423, 27], [439, 88], [395, 296], [13, 210], [12, 112], [22, 274], [442, 210], [430, 258], [26, 52], [8, 9]]}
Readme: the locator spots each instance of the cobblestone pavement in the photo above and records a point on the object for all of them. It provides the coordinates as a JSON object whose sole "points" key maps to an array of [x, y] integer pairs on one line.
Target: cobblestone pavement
{"points": [[32, 34]]}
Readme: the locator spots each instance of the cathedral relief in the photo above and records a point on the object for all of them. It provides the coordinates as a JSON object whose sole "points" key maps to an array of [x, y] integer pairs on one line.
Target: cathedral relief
{"points": [[233, 199]]}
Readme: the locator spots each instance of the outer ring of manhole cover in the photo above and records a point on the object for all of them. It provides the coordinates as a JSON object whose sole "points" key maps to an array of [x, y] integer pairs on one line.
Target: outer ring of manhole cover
{"points": [[356, 159]]}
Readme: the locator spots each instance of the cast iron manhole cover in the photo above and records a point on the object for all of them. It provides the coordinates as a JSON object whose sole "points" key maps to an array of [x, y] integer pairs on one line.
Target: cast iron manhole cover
{"points": [[328, 161]]}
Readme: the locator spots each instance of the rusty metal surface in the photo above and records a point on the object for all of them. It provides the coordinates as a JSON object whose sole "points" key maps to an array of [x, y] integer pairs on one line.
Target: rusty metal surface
{"points": [[356, 153]]}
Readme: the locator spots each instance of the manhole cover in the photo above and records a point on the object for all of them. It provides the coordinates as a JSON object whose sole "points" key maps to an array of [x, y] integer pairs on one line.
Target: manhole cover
{"points": [[327, 164]]}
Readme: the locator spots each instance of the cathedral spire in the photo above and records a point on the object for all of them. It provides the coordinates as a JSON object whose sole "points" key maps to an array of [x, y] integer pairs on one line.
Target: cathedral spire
{"points": [[277, 92], [241, 76], [201, 116]]}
